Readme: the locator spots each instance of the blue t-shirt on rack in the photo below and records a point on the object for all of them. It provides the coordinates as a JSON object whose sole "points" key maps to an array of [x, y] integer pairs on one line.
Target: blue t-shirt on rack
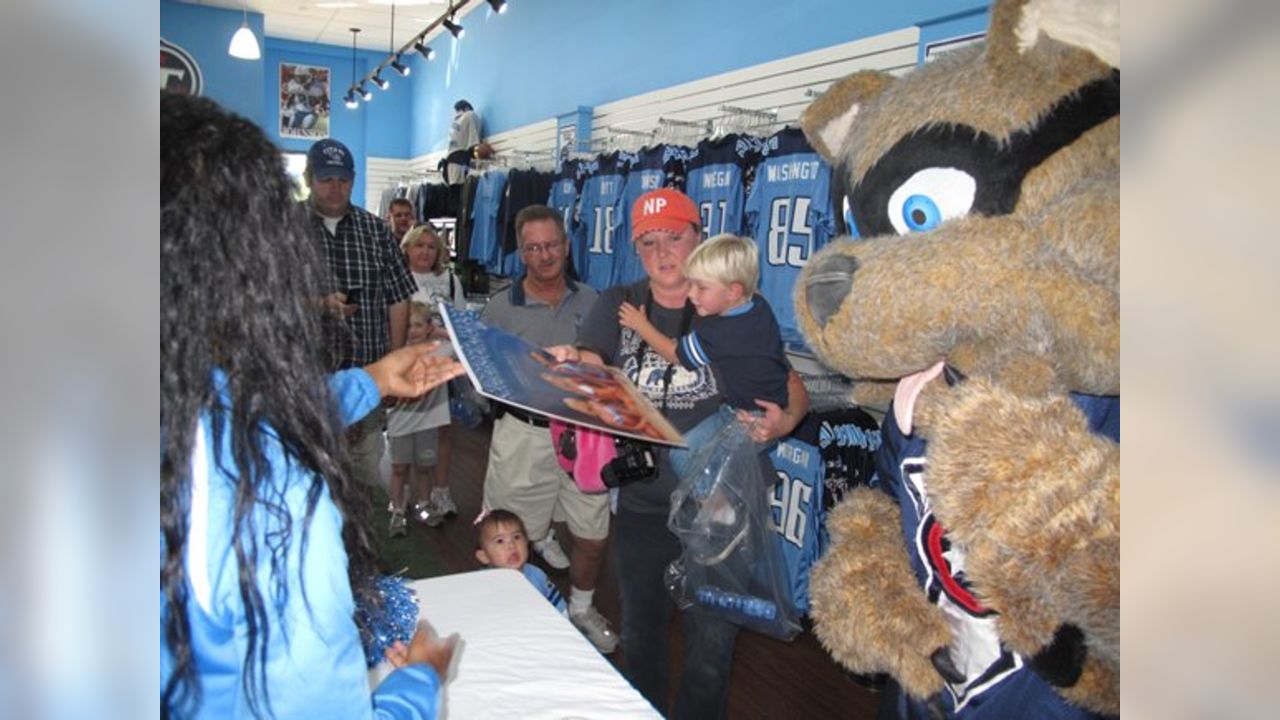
{"points": [[486, 243]]}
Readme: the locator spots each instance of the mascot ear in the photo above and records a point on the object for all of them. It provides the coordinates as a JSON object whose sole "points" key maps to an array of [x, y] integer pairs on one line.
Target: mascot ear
{"points": [[1091, 25], [828, 120]]}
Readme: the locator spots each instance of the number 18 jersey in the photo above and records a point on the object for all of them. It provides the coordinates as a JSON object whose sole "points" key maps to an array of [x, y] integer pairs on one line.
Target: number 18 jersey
{"points": [[788, 213]]}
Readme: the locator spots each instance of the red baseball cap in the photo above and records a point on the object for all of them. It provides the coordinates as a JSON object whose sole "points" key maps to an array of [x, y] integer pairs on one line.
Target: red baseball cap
{"points": [[663, 209]]}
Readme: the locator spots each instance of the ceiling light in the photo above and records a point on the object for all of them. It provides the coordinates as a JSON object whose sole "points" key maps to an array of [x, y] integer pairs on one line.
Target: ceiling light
{"points": [[426, 51], [379, 81], [453, 27], [400, 67], [352, 102], [499, 6], [365, 92], [244, 44]]}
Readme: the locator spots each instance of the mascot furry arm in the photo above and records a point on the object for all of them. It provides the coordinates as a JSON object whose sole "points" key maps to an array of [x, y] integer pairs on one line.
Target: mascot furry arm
{"points": [[985, 186]]}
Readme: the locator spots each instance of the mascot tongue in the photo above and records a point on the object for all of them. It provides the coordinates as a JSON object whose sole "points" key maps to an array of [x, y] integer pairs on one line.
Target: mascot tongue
{"points": [[909, 388]]}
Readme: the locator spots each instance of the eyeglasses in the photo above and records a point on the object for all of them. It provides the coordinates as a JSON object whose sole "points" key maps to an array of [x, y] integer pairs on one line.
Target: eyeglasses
{"points": [[650, 242], [547, 249]]}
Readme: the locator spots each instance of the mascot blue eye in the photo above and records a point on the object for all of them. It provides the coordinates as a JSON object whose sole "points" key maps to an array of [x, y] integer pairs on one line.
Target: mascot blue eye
{"points": [[920, 213], [929, 198]]}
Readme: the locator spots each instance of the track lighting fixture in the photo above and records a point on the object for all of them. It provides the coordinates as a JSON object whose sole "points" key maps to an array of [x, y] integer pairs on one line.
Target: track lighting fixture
{"points": [[453, 27], [378, 80], [364, 92], [400, 67], [499, 6], [426, 52], [352, 102]]}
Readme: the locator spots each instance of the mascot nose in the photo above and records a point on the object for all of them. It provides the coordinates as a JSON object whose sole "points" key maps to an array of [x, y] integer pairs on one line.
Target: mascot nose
{"points": [[828, 285]]}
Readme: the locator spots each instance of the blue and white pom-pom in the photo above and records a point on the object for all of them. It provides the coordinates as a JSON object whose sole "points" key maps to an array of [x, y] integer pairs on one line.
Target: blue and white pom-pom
{"points": [[397, 619]]}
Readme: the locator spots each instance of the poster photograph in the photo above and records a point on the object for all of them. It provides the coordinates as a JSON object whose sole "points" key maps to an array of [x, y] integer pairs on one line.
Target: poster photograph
{"points": [[504, 367], [304, 101]]}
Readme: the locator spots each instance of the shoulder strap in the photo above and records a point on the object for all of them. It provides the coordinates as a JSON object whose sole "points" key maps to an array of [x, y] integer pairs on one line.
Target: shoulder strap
{"points": [[686, 320]]}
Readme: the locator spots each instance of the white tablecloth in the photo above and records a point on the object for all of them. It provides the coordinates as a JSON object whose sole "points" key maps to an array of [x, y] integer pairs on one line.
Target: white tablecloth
{"points": [[520, 657]]}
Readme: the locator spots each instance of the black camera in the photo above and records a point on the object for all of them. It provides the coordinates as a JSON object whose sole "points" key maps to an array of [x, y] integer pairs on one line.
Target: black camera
{"points": [[636, 462]]}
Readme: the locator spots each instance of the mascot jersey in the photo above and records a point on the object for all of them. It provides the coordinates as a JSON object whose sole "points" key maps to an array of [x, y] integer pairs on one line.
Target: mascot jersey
{"points": [[998, 683], [654, 167], [598, 205], [716, 181], [788, 212], [486, 246]]}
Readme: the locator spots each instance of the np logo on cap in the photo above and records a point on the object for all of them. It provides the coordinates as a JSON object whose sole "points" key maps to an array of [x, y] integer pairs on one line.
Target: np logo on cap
{"points": [[664, 209], [328, 159]]}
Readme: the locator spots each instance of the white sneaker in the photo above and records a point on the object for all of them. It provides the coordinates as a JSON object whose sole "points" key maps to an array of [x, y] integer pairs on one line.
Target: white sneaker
{"points": [[441, 499], [398, 526], [551, 551], [428, 514], [592, 624]]}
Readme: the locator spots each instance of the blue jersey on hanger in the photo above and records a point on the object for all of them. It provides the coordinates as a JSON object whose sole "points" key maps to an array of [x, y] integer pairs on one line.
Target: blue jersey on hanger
{"points": [[486, 244], [564, 199], [597, 218], [789, 214], [654, 167], [716, 181], [798, 508]]}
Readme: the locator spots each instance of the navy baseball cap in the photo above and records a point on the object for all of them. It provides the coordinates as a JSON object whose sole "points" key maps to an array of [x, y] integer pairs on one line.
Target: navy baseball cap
{"points": [[329, 158]]}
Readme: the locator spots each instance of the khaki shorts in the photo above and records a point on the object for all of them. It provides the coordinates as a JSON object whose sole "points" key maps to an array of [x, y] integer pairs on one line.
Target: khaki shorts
{"points": [[416, 448], [524, 477]]}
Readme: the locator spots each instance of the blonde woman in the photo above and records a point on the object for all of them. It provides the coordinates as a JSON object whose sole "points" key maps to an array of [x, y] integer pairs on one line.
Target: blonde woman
{"points": [[428, 257]]}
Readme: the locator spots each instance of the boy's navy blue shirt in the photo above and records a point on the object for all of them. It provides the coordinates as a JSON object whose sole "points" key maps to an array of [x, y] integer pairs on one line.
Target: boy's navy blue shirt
{"points": [[744, 349]]}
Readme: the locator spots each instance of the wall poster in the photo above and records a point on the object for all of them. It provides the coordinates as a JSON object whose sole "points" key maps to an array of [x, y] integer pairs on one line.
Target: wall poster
{"points": [[304, 101]]}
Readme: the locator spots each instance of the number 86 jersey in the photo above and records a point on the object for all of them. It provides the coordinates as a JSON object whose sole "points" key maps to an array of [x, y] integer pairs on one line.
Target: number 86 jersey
{"points": [[788, 213]]}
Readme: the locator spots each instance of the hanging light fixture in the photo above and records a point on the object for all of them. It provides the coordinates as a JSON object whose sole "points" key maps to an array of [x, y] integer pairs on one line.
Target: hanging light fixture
{"points": [[391, 48], [352, 102], [244, 44], [400, 67], [364, 92], [378, 80], [499, 6], [453, 27], [424, 50]]}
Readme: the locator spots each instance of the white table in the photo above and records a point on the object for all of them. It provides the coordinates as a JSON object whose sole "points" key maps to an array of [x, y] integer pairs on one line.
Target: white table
{"points": [[520, 657]]}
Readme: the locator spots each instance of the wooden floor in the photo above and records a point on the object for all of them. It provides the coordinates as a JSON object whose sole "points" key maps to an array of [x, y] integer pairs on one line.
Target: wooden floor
{"points": [[771, 679]]}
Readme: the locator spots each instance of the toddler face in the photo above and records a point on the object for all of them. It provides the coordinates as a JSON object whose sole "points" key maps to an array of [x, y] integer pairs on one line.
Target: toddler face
{"points": [[710, 297], [504, 546], [419, 329]]}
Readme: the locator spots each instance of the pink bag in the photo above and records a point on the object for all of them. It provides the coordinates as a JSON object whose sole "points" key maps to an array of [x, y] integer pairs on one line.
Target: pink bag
{"points": [[583, 452]]}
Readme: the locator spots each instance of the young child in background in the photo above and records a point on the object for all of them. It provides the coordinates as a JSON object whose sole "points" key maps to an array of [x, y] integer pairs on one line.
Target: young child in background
{"points": [[412, 433], [501, 542], [738, 336]]}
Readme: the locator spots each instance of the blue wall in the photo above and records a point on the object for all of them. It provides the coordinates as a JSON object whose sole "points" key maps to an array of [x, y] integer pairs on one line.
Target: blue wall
{"points": [[960, 25], [541, 59], [205, 33]]}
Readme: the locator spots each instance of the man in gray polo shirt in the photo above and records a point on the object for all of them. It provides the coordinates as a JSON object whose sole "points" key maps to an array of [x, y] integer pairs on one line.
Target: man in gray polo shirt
{"points": [[546, 308]]}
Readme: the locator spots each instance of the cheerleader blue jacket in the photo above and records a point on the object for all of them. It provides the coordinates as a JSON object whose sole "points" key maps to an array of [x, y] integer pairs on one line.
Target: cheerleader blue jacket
{"points": [[315, 664]]}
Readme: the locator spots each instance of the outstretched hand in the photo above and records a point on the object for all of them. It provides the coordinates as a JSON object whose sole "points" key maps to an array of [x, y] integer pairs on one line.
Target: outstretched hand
{"points": [[412, 371], [424, 648]]}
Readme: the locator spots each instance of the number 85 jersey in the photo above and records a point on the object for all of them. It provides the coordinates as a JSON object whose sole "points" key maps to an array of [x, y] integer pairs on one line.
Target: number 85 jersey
{"points": [[788, 213]]}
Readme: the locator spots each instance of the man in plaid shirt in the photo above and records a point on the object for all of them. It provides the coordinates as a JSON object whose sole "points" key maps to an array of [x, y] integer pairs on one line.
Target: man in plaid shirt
{"points": [[372, 284]]}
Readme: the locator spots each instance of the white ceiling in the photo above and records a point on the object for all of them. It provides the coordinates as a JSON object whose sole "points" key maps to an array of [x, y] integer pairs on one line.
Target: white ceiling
{"points": [[330, 21]]}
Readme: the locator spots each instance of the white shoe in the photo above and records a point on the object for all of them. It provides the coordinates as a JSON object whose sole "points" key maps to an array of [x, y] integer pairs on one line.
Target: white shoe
{"points": [[551, 551], [428, 514], [592, 624], [441, 499], [398, 528]]}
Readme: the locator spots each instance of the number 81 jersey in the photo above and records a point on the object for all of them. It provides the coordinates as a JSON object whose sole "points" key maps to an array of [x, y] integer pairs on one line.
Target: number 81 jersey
{"points": [[788, 213]]}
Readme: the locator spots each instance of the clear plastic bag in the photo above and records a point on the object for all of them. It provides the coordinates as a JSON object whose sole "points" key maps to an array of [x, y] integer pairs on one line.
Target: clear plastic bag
{"points": [[466, 406], [731, 566]]}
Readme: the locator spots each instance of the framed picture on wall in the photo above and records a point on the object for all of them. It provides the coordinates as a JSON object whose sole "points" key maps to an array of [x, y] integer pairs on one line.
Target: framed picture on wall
{"points": [[304, 101]]}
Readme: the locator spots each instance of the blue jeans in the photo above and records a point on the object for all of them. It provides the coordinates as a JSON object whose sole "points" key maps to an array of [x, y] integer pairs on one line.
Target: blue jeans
{"points": [[698, 437], [643, 548]]}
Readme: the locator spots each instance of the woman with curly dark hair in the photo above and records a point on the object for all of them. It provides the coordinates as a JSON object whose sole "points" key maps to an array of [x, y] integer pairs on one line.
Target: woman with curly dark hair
{"points": [[264, 545]]}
